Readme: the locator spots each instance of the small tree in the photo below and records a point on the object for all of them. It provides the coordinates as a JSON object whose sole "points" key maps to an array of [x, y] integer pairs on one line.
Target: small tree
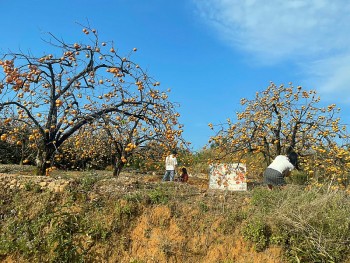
{"points": [[57, 94], [282, 119]]}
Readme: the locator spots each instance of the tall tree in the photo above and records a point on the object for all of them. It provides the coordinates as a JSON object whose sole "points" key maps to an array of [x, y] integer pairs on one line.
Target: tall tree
{"points": [[282, 119], [57, 94]]}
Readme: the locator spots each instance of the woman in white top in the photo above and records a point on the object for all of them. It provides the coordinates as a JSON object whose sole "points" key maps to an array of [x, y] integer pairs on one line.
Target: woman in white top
{"points": [[280, 167]]}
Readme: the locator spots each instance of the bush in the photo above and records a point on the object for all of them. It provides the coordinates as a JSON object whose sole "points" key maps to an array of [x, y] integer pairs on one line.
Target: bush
{"points": [[258, 232], [88, 181], [158, 196], [298, 178]]}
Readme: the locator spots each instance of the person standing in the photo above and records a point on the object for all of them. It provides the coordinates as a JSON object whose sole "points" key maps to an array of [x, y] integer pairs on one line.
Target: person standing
{"points": [[170, 166], [280, 167]]}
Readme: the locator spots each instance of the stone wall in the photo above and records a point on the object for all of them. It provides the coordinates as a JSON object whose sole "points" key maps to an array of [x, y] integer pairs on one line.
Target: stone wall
{"points": [[14, 181]]}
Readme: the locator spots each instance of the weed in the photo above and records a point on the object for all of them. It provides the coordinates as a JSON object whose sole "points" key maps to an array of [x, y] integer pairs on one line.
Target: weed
{"points": [[124, 212], [175, 209], [203, 207], [28, 186], [98, 231], [319, 229], [148, 232], [166, 247], [25, 236], [264, 200], [31, 186], [35, 226], [257, 232], [158, 196], [298, 178], [65, 249], [88, 181], [98, 203], [125, 242], [312, 226], [134, 197], [232, 221]]}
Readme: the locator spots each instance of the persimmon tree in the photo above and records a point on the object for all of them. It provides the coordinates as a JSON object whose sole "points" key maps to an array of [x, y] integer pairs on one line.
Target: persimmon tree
{"points": [[150, 157], [120, 140], [88, 148], [282, 119], [57, 94], [128, 134]]}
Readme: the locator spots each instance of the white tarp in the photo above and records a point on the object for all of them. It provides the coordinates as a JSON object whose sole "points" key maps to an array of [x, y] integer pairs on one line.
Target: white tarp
{"points": [[228, 176]]}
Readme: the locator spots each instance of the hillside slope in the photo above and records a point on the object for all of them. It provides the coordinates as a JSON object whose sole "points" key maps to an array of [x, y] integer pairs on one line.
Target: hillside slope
{"points": [[133, 218], [94, 217]]}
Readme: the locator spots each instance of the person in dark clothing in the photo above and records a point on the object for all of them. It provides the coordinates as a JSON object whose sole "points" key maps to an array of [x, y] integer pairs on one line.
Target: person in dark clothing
{"points": [[184, 175]]}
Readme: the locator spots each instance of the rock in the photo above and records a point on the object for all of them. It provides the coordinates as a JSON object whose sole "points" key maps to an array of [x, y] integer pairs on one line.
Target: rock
{"points": [[14, 181], [43, 184], [93, 196], [51, 186]]}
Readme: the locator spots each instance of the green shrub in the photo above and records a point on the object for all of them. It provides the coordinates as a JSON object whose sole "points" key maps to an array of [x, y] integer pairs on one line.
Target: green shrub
{"points": [[298, 178], [257, 232], [30, 186], [158, 196], [232, 221], [134, 197], [203, 207], [87, 182], [61, 238]]}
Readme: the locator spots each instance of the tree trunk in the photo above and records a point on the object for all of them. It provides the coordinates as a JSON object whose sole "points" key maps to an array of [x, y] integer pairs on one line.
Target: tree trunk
{"points": [[22, 153], [118, 166], [43, 160]]}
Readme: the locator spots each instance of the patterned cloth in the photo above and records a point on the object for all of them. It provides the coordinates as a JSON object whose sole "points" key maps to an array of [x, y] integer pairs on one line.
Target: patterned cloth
{"points": [[273, 177]]}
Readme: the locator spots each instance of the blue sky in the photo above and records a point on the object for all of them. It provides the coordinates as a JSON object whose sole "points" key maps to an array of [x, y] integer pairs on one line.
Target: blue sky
{"points": [[210, 53]]}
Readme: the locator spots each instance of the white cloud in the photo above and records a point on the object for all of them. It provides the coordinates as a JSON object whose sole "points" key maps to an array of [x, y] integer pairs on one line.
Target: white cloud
{"points": [[280, 28], [315, 32], [331, 77]]}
